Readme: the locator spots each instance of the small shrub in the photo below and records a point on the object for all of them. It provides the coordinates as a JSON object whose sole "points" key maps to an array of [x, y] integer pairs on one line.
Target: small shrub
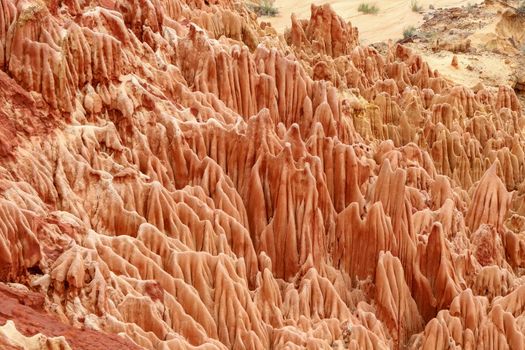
{"points": [[409, 32], [414, 5], [264, 8], [521, 8], [368, 9]]}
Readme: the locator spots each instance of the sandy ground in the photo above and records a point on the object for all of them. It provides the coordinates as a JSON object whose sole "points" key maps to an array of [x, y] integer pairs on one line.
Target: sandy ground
{"points": [[480, 65], [393, 16], [488, 69], [492, 60]]}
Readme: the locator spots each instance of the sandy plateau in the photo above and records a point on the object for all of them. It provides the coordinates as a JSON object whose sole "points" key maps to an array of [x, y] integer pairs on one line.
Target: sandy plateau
{"points": [[181, 174], [387, 24], [487, 41]]}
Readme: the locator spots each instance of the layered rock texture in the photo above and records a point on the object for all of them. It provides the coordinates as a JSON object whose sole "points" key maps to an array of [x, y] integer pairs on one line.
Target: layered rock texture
{"points": [[476, 43], [173, 175]]}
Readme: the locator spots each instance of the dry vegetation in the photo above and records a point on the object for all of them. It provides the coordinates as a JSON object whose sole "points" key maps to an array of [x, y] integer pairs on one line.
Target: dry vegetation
{"points": [[368, 9], [263, 7], [414, 5]]}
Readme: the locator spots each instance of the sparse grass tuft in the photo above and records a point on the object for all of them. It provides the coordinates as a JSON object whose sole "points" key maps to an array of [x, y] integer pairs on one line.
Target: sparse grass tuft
{"points": [[409, 32], [521, 8], [368, 9], [264, 8], [414, 5]]}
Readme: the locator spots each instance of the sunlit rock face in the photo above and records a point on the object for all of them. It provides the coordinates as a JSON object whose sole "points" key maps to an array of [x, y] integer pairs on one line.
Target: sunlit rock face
{"points": [[175, 176]]}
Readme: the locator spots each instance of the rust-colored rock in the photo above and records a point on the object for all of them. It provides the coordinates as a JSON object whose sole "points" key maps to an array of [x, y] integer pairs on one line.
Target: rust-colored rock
{"points": [[174, 175]]}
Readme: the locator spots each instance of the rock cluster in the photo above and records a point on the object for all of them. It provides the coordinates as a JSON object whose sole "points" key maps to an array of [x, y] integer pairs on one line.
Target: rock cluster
{"points": [[175, 174]]}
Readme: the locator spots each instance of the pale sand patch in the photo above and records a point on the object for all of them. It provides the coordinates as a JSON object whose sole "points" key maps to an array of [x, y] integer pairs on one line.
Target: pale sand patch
{"points": [[489, 69], [393, 16]]}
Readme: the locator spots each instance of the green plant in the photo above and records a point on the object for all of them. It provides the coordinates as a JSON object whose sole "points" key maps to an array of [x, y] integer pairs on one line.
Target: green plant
{"points": [[368, 9], [521, 8], [264, 8], [414, 5], [409, 32]]}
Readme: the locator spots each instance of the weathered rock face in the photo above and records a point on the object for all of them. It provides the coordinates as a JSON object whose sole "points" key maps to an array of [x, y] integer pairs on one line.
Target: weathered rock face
{"points": [[174, 176]]}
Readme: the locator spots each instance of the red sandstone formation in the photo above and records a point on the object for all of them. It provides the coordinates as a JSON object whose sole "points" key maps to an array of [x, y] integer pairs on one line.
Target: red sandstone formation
{"points": [[175, 176]]}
